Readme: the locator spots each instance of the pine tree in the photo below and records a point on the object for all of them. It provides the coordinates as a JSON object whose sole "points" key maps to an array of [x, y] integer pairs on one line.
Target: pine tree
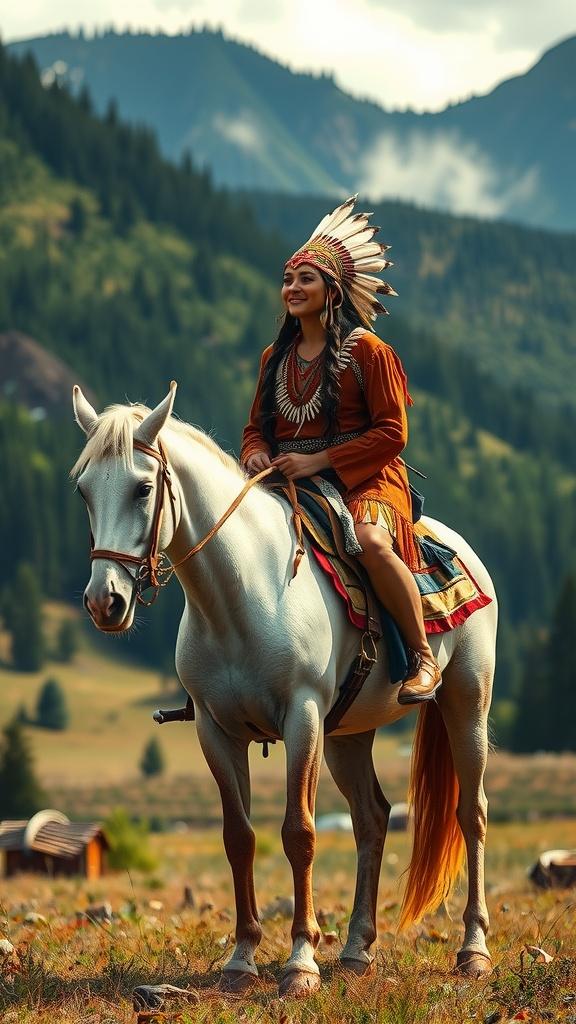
{"points": [[205, 274], [112, 113], [561, 693], [22, 715], [66, 641], [530, 725], [547, 699], [152, 760], [25, 621], [51, 709], [126, 213], [20, 794], [78, 219]]}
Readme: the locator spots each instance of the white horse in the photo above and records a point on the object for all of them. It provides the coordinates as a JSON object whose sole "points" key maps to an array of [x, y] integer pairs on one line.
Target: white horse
{"points": [[260, 647]]}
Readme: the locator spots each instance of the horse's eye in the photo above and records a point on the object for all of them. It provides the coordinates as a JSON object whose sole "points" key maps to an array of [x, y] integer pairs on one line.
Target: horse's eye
{"points": [[143, 490]]}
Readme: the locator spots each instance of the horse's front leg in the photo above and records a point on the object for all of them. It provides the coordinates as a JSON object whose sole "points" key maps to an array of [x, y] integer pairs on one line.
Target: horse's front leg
{"points": [[349, 759], [228, 761], [303, 735]]}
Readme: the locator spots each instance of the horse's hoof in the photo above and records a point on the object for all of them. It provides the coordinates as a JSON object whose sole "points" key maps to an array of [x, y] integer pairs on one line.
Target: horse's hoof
{"points": [[237, 983], [153, 997], [473, 964], [358, 967], [298, 984]]}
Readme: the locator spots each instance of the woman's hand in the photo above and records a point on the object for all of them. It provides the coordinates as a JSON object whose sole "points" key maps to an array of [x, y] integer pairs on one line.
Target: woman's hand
{"points": [[295, 466], [257, 462]]}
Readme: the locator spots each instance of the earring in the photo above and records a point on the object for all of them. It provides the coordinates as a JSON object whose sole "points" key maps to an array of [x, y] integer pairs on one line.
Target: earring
{"points": [[327, 315]]}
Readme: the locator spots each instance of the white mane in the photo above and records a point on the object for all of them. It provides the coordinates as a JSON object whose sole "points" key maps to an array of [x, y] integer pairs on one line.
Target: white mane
{"points": [[113, 437]]}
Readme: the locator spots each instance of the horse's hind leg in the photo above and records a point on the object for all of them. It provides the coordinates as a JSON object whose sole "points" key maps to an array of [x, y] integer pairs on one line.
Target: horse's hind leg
{"points": [[303, 737], [465, 702], [228, 761], [349, 759]]}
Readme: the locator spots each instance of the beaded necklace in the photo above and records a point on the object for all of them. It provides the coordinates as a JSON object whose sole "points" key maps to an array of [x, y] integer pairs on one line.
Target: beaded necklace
{"points": [[298, 386], [299, 381]]}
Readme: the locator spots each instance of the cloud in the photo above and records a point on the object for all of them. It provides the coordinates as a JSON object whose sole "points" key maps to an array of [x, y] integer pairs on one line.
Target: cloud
{"points": [[242, 130], [443, 172], [511, 23]]}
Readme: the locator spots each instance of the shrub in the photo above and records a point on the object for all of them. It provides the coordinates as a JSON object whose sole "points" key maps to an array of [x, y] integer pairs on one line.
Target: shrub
{"points": [[152, 760], [51, 709], [128, 842]]}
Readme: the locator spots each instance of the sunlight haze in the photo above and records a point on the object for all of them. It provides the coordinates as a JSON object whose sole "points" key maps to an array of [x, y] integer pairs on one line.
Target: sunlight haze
{"points": [[421, 56]]}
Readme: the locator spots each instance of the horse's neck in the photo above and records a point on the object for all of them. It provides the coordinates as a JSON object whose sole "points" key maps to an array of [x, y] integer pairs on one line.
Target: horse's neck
{"points": [[248, 555]]}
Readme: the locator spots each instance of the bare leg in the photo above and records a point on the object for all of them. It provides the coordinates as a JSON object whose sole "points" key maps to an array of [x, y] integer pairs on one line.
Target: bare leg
{"points": [[396, 589], [464, 703], [349, 759], [303, 737], [228, 761]]}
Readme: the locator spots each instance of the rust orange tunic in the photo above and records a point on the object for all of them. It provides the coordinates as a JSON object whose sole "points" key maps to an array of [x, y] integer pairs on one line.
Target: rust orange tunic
{"points": [[372, 405]]}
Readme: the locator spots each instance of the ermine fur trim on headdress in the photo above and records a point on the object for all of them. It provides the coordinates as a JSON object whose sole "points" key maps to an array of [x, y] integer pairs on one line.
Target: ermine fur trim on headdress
{"points": [[343, 246]]}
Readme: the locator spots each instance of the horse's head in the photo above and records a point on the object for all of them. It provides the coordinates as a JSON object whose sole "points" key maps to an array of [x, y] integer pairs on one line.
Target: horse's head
{"points": [[123, 479]]}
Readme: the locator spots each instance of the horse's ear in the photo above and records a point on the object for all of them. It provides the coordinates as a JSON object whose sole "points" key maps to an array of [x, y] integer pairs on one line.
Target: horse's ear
{"points": [[84, 414], [149, 429]]}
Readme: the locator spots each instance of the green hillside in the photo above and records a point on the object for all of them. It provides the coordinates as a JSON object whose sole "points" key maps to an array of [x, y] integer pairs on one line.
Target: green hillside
{"points": [[134, 271], [138, 304]]}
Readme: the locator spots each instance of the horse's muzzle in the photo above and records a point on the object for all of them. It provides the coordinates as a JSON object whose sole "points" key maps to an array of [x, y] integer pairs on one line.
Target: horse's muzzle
{"points": [[108, 610]]}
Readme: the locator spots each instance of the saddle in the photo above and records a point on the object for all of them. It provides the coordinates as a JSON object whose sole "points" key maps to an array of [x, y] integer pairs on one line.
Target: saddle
{"points": [[448, 590], [329, 528]]}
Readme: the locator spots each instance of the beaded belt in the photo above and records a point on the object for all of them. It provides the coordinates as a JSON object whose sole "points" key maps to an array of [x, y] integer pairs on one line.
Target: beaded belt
{"points": [[311, 445]]}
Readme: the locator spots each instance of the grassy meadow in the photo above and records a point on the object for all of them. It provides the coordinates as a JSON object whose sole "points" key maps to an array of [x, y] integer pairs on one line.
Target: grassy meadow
{"points": [[66, 969]]}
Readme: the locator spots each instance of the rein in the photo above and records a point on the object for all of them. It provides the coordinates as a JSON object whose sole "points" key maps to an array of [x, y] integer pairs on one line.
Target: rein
{"points": [[151, 572]]}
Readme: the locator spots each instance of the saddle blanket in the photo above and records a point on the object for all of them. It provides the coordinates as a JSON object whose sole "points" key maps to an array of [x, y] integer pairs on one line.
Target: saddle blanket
{"points": [[448, 590]]}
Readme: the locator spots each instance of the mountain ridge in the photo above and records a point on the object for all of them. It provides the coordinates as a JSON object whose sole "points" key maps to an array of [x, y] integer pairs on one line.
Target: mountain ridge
{"points": [[257, 124]]}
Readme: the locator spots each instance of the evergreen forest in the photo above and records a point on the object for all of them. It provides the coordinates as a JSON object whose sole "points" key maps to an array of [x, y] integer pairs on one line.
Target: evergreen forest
{"points": [[134, 271]]}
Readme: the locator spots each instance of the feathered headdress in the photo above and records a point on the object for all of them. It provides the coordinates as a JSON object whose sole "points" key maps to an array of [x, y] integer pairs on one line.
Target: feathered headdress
{"points": [[342, 246]]}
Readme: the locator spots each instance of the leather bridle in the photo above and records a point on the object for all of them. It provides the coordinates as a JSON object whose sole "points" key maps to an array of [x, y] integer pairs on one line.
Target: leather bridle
{"points": [[151, 571]]}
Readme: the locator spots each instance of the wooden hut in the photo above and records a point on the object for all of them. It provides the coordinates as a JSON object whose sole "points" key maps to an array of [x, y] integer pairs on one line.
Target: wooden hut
{"points": [[50, 844]]}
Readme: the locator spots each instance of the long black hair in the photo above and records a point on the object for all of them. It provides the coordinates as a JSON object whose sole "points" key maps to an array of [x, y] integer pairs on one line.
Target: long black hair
{"points": [[344, 320]]}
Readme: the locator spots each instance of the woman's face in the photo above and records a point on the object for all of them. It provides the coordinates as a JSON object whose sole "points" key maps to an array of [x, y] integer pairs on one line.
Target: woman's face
{"points": [[303, 291]]}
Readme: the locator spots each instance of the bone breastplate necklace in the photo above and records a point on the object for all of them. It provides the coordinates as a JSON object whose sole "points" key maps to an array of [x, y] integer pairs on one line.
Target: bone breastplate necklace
{"points": [[299, 386]]}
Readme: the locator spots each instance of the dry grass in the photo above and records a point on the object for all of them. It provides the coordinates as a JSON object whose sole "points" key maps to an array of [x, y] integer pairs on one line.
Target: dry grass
{"points": [[74, 972]]}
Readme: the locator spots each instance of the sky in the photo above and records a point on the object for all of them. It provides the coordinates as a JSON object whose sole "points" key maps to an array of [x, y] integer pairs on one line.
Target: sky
{"points": [[421, 54]]}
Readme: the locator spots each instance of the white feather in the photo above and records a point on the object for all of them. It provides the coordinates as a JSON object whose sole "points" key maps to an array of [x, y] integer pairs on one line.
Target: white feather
{"points": [[366, 281], [363, 250], [357, 238], [330, 222], [352, 226], [375, 263]]}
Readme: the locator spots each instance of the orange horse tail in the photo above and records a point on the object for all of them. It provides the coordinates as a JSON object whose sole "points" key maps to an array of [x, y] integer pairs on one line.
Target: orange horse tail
{"points": [[438, 847]]}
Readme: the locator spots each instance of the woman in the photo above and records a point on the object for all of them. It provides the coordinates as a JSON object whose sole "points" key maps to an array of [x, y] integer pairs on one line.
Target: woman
{"points": [[332, 396]]}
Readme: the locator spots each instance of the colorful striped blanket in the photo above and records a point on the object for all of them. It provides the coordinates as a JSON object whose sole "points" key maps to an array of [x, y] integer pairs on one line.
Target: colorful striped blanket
{"points": [[448, 590]]}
